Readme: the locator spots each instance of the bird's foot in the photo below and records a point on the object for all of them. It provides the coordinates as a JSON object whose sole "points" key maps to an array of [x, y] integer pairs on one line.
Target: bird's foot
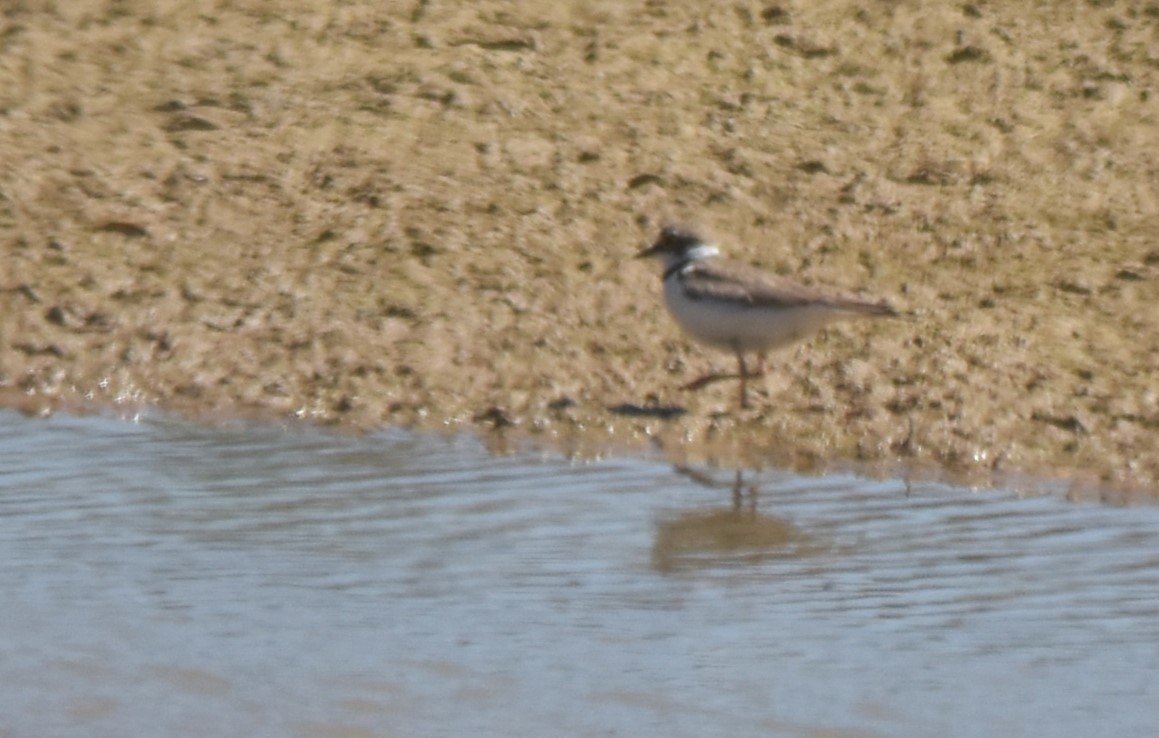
{"points": [[707, 379]]}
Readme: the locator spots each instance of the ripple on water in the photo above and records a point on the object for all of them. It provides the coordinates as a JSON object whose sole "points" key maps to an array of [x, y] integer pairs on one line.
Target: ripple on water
{"points": [[273, 580]]}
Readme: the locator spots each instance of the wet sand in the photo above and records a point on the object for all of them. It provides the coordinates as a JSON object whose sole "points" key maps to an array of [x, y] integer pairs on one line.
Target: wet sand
{"points": [[423, 215]]}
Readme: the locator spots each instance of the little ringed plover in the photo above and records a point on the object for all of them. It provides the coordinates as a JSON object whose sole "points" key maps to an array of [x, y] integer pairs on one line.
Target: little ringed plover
{"points": [[736, 308]]}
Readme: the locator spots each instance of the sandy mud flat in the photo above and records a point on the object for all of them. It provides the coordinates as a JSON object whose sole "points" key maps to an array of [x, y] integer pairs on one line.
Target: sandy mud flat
{"points": [[368, 214]]}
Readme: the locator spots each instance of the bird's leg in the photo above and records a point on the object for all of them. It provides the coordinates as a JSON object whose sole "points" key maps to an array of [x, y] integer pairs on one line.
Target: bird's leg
{"points": [[744, 375], [707, 379], [700, 382], [759, 371]]}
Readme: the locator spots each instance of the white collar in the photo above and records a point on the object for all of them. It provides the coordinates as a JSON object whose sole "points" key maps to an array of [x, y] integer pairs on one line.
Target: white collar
{"points": [[701, 251]]}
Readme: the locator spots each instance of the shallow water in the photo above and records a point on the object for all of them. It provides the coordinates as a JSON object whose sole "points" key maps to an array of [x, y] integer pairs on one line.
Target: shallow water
{"points": [[161, 578]]}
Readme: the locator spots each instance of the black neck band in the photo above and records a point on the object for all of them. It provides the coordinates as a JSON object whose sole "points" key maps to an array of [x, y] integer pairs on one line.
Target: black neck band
{"points": [[676, 267]]}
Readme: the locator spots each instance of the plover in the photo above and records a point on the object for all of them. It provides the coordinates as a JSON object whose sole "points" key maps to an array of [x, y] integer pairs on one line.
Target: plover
{"points": [[740, 309]]}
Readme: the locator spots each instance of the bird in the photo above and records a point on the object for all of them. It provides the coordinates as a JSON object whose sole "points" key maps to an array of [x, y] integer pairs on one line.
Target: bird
{"points": [[734, 307]]}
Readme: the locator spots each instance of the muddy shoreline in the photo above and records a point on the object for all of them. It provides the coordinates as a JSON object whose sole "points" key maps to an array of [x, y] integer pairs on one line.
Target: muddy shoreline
{"points": [[424, 216]]}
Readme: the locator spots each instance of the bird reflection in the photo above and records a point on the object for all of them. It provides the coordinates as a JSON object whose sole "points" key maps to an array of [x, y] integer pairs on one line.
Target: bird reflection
{"points": [[738, 488], [702, 539]]}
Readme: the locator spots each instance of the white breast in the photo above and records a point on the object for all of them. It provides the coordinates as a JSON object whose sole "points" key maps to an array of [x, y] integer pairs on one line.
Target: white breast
{"points": [[731, 326]]}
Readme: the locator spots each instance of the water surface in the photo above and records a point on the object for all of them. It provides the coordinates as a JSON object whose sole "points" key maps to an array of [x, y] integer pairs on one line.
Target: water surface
{"points": [[161, 578]]}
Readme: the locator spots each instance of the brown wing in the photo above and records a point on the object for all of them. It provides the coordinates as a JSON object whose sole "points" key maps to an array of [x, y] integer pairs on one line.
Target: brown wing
{"points": [[728, 280]]}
